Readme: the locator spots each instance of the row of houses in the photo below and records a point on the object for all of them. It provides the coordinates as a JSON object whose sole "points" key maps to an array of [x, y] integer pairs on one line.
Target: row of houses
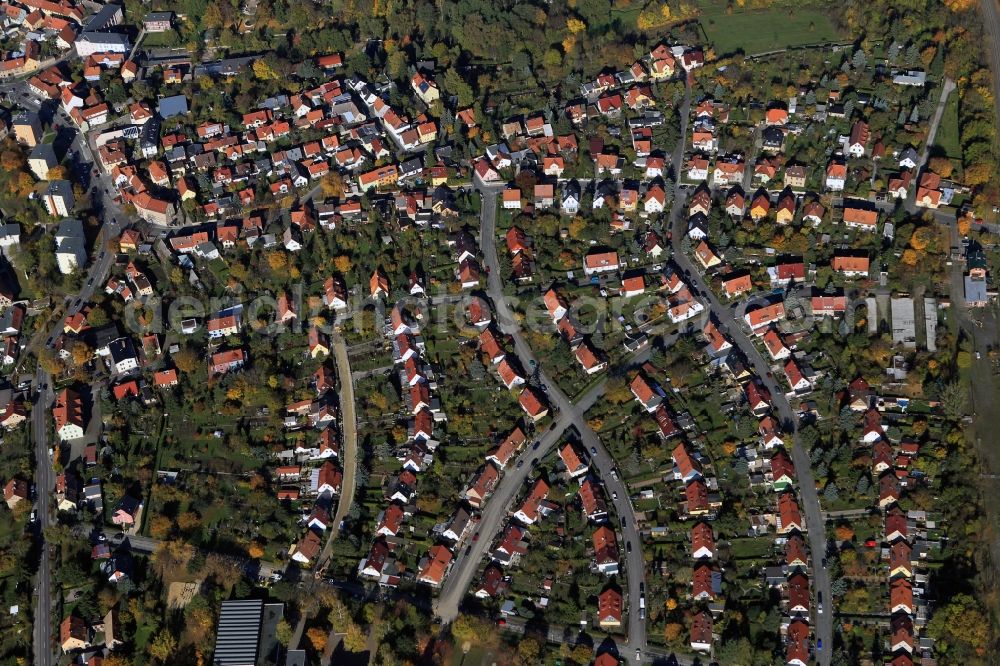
{"points": [[312, 469], [774, 471], [591, 359], [417, 381]]}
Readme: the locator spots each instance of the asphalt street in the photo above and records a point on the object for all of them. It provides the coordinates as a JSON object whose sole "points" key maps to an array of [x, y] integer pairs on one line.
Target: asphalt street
{"points": [[733, 326], [97, 273], [822, 623], [566, 414]]}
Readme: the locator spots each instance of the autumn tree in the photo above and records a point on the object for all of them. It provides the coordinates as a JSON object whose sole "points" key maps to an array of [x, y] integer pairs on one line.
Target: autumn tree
{"points": [[188, 521], [332, 185], [355, 638], [163, 646], [255, 550], [185, 360], [942, 166], [964, 225], [263, 70], [672, 631], [171, 558], [49, 362], [960, 629], [81, 353], [277, 260], [12, 160], [116, 660], [317, 638], [343, 264], [920, 239], [160, 526], [198, 623], [529, 651], [844, 532], [470, 629], [283, 632]]}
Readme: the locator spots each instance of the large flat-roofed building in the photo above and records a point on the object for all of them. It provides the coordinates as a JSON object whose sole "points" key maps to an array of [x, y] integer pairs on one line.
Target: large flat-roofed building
{"points": [[238, 633]]}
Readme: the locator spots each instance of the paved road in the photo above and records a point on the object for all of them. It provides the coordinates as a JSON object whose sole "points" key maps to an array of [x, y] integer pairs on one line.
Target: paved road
{"points": [[946, 89], [566, 414], [44, 483], [44, 476], [727, 318], [491, 521], [349, 424], [982, 328]]}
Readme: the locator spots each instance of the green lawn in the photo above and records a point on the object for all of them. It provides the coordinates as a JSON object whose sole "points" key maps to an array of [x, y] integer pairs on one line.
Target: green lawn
{"points": [[751, 547], [759, 31], [947, 137]]}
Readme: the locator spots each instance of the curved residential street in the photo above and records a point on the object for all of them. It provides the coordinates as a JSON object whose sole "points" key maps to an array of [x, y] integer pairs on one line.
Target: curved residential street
{"points": [[349, 429], [566, 415], [730, 322]]}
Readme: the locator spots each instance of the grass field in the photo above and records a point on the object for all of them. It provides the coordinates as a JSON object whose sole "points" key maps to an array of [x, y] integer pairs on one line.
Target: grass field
{"points": [[759, 31], [947, 137]]}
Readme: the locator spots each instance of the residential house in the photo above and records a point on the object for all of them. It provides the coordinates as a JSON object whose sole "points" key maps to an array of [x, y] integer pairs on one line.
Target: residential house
{"points": [[598, 262], [481, 486], [648, 393], [434, 567], [609, 609], [702, 541], [789, 515], [126, 512], [701, 632], [764, 316], [836, 176], [686, 466], [15, 492], [71, 252], [606, 554], [857, 143], [74, 634], [67, 412], [534, 506], [574, 460], [860, 215], [851, 264]]}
